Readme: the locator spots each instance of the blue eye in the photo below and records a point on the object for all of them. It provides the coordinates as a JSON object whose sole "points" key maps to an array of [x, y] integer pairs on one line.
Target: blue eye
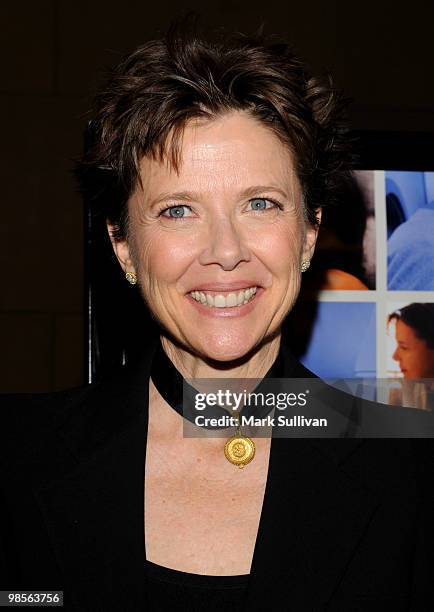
{"points": [[175, 212], [259, 204]]}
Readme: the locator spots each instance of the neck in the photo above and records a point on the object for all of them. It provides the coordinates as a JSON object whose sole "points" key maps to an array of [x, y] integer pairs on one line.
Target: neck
{"points": [[253, 365]]}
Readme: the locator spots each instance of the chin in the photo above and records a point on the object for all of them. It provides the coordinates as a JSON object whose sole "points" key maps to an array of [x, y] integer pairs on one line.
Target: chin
{"points": [[410, 376], [225, 347]]}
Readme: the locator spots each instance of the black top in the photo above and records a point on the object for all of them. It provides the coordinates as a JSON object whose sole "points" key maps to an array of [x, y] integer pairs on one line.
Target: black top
{"points": [[346, 524], [169, 589]]}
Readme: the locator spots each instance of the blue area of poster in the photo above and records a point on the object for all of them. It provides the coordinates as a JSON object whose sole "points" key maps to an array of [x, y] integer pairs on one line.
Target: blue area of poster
{"points": [[343, 341]]}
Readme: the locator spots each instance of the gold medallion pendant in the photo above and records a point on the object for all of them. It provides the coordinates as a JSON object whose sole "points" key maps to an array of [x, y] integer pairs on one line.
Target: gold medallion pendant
{"points": [[239, 450]]}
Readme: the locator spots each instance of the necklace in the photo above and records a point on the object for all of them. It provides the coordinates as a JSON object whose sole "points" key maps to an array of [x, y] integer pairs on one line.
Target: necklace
{"points": [[238, 449]]}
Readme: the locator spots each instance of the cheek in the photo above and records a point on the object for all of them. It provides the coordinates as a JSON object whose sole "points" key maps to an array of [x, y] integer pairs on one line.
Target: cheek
{"points": [[283, 251], [412, 361], [424, 357], [163, 257]]}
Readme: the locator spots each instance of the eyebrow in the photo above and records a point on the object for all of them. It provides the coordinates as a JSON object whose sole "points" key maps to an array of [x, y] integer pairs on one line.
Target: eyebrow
{"points": [[188, 196]]}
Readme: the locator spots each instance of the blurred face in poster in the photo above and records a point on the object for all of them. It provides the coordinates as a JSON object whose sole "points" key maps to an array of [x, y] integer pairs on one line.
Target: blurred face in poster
{"points": [[415, 357]]}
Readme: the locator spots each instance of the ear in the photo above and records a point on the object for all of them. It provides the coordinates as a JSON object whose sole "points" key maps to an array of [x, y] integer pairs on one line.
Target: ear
{"points": [[121, 249], [311, 236]]}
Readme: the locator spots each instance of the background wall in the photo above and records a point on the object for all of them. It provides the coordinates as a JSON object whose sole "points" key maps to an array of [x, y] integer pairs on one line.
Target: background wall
{"points": [[52, 53]]}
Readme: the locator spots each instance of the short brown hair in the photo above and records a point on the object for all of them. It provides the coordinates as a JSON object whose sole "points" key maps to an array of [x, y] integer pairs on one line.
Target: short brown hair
{"points": [[152, 94], [420, 317]]}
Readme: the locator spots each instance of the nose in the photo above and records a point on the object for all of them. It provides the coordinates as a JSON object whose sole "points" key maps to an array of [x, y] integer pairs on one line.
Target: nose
{"points": [[225, 245], [395, 355]]}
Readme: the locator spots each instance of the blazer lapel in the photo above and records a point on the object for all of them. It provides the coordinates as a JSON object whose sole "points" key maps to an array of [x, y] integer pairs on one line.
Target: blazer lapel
{"points": [[312, 520], [94, 508], [314, 514]]}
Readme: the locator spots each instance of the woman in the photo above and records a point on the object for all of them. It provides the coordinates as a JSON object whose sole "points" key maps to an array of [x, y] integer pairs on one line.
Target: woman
{"points": [[213, 161], [414, 334]]}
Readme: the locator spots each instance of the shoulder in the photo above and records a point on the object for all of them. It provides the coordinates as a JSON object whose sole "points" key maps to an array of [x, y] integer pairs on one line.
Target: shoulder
{"points": [[37, 411], [387, 447], [29, 420], [418, 227], [32, 413], [34, 428]]}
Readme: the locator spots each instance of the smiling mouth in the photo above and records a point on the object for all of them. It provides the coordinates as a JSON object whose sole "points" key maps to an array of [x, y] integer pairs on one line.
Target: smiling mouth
{"points": [[224, 299]]}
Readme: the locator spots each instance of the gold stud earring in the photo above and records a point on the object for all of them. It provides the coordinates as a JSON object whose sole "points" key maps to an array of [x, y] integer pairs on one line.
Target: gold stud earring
{"points": [[305, 265], [131, 277]]}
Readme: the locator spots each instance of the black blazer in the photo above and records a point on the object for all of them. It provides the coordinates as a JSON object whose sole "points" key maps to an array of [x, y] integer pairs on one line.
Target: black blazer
{"points": [[346, 524]]}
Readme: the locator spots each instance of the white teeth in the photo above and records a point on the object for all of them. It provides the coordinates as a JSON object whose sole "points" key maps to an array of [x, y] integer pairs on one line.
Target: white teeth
{"points": [[231, 299], [224, 301], [219, 301]]}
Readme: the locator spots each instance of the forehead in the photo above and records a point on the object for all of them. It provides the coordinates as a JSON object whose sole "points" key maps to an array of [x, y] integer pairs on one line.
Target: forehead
{"points": [[227, 153], [404, 332]]}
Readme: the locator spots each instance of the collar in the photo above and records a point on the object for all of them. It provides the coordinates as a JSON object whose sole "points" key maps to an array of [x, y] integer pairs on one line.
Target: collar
{"points": [[179, 394]]}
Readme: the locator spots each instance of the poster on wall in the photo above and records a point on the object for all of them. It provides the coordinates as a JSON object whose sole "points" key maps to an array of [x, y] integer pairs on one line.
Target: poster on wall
{"points": [[368, 311]]}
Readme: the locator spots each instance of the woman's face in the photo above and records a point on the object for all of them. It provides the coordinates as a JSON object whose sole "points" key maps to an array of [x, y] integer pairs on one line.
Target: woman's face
{"points": [[415, 358], [229, 221]]}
